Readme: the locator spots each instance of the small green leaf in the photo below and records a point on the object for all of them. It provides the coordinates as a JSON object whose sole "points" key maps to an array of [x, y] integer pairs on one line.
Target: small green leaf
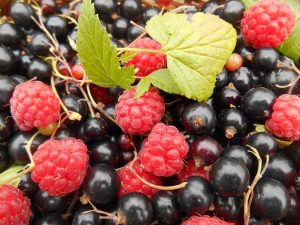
{"points": [[162, 79], [11, 171], [196, 51], [142, 87], [127, 56], [291, 46], [98, 57]]}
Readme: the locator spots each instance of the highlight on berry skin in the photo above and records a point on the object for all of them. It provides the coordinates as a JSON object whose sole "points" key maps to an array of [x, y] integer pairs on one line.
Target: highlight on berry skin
{"points": [[144, 112]]}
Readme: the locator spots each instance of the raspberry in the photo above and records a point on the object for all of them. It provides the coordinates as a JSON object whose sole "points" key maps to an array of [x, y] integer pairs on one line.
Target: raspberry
{"points": [[146, 63], [285, 119], [60, 165], [205, 220], [100, 94], [267, 24], [130, 183], [139, 115], [163, 151], [190, 170], [14, 207], [34, 104]]}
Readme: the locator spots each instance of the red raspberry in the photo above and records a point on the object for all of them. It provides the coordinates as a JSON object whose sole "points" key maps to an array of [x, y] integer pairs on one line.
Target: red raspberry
{"points": [[60, 165], [139, 115], [14, 206], [146, 63], [267, 24], [285, 119], [163, 151], [205, 220], [34, 104], [130, 183], [190, 170], [100, 94]]}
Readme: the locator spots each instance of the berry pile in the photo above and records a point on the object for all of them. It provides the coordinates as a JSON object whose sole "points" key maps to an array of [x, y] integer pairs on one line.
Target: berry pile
{"points": [[73, 152]]}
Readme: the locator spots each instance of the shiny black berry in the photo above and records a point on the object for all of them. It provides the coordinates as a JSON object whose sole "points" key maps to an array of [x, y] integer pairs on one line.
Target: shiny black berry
{"points": [[233, 12], [51, 204], [228, 97], [39, 44], [196, 197], [134, 209], [131, 9], [198, 118], [27, 186], [233, 123], [51, 219], [229, 176], [265, 59], [228, 207], [263, 142], [106, 9], [63, 133], [165, 207], [57, 26], [40, 69], [282, 169], [6, 126], [21, 14], [293, 216], [222, 79], [210, 6], [238, 152], [133, 32], [8, 61], [247, 54], [257, 103], [4, 159], [73, 103], [7, 86], [242, 79], [11, 35], [205, 150], [83, 217], [105, 152], [101, 184], [119, 28], [95, 128], [293, 152], [150, 12], [271, 199]]}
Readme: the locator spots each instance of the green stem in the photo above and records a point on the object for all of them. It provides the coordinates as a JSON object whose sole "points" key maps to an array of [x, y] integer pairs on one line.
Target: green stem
{"points": [[139, 50]]}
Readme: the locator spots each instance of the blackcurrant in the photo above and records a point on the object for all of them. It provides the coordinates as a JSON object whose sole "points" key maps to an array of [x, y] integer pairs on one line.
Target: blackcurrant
{"points": [[110, 110], [196, 197], [150, 12], [133, 32], [105, 152], [4, 159], [228, 207], [293, 152], [205, 150], [131, 9], [165, 207], [293, 216], [198, 118], [233, 12], [229, 176], [8, 61], [7, 86], [126, 142], [48, 6], [263, 142], [6, 126], [57, 26], [228, 97], [134, 209], [282, 169], [265, 59], [40, 69], [101, 184], [83, 217], [242, 79], [39, 44], [106, 9], [210, 6], [222, 79], [271, 199], [95, 128], [119, 28], [247, 54], [233, 123], [257, 103], [238, 152], [27, 186], [73, 103], [63, 133], [53, 219], [22, 14], [11, 35]]}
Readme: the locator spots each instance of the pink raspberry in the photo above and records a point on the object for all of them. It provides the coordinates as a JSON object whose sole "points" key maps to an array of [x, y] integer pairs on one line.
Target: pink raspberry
{"points": [[267, 24], [163, 151], [14, 206], [139, 115], [130, 183], [60, 165], [205, 220], [34, 104], [190, 170], [146, 63], [285, 119]]}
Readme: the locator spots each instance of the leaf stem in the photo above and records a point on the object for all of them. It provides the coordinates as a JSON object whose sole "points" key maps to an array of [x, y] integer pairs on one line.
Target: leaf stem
{"points": [[139, 50], [28, 168]]}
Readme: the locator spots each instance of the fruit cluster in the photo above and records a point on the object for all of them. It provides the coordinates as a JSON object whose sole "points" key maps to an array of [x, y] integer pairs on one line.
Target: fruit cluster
{"points": [[72, 152]]}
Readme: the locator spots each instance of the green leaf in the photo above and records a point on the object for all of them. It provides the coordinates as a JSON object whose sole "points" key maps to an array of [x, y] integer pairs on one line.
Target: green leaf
{"points": [[162, 79], [196, 51], [98, 57], [127, 56], [11, 171], [291, 46]]}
